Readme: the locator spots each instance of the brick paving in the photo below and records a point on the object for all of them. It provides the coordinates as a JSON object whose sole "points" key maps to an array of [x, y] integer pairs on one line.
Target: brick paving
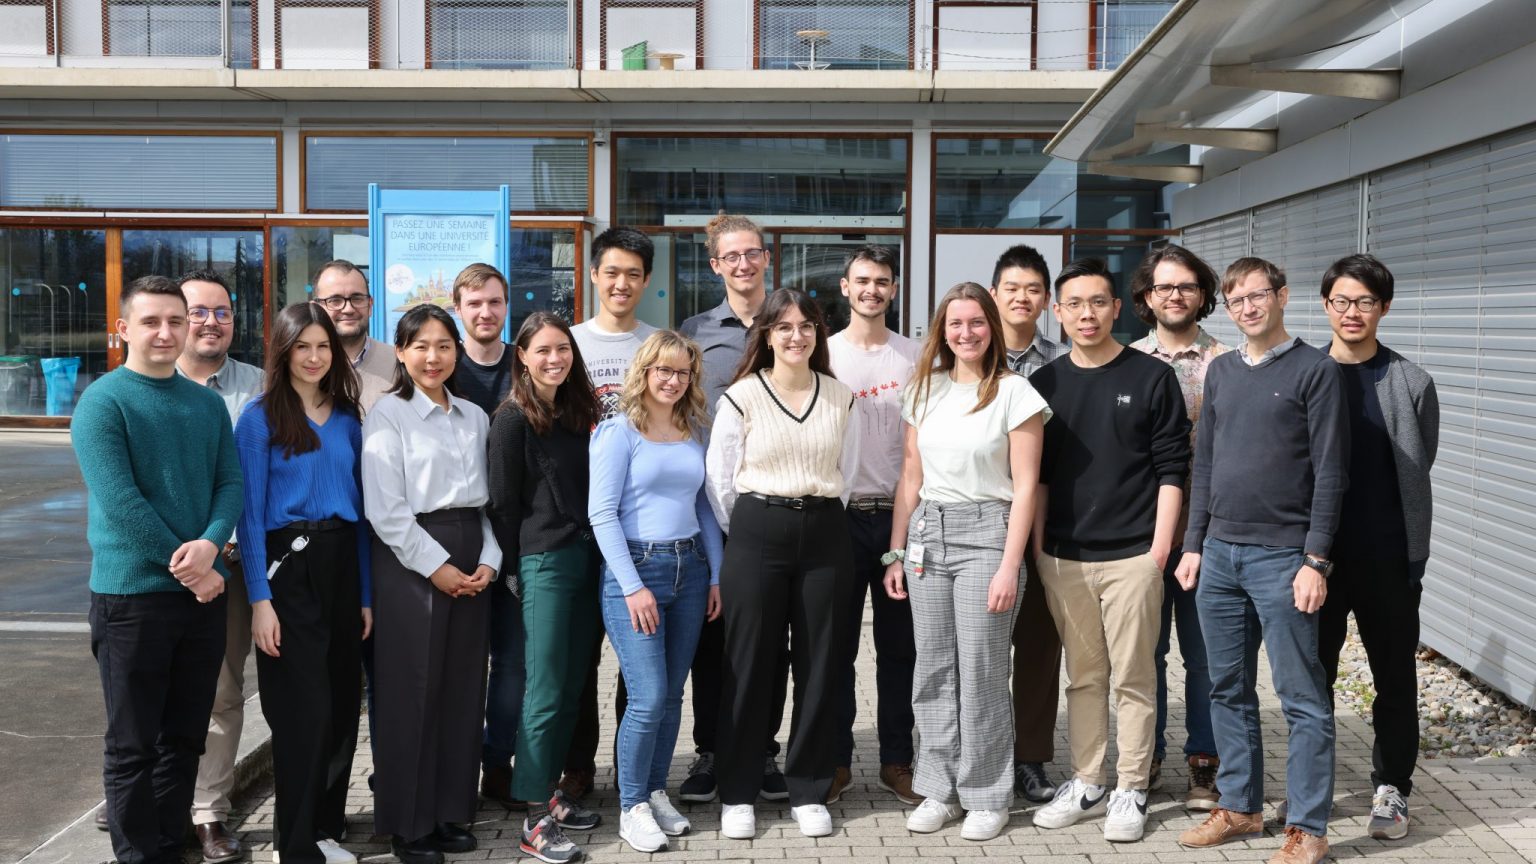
{"points": [[1466, 810]]}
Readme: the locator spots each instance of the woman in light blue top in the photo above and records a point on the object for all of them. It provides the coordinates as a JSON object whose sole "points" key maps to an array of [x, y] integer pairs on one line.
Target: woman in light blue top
{"points": [[662, 548]]}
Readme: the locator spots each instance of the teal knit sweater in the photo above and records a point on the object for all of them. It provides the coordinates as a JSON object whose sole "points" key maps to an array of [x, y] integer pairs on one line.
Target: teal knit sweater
{"points": [[159, 461]]}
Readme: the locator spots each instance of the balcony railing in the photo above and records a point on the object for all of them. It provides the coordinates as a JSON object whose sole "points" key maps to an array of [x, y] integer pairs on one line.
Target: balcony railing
{"points": [[1121, 25]]}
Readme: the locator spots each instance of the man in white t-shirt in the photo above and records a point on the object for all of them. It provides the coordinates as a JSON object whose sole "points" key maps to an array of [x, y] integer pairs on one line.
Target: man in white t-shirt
{"points": [[876, 364]]}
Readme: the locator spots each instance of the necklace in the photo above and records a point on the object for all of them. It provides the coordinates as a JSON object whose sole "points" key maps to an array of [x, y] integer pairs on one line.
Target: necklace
{"points": [[779, 386]]}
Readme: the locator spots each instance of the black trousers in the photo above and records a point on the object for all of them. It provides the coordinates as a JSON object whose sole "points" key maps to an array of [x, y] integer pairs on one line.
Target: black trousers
{"points": [[895, 650], [159, 656], [1384, 595], [1036, 672], [309, 693], [783, 569]]}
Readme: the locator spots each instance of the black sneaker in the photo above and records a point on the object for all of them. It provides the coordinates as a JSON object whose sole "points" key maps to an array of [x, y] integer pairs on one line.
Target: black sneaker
{"points": [[774, 787], [700, 785], [546, 842], [1031, 784], [570, 815]]}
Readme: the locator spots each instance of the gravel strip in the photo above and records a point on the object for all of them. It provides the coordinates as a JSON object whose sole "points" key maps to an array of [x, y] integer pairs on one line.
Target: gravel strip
{"points": [[1459, 715]]}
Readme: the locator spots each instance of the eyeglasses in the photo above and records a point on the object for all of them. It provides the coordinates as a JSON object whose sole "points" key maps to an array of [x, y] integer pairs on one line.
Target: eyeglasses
{"points": [[200, 314], [1185, 289], [784, 329], [1364, 304], [1259, 299], [336, 302], [753, 256], [1099, 304], [667, 373]]}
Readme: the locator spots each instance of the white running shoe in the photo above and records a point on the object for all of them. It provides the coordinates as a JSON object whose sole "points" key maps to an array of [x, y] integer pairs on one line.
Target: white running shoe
{"points": [[931, 815], [671, 822], [1074, 802], [638, 828], [738, 821], [983, 824], [813, 819], [1127, 816]]}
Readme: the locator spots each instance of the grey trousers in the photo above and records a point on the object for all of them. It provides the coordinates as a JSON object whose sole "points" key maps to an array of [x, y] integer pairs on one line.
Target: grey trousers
{"points": [[960, 695]]}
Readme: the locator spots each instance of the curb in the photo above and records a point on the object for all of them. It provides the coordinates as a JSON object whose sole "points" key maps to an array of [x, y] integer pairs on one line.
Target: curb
{"points": [[81, 842]]}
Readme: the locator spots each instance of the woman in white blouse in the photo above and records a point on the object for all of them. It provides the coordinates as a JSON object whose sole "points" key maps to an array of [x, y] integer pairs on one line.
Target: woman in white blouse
{"points": [[424, 487], [964, 504], [783, 444]]}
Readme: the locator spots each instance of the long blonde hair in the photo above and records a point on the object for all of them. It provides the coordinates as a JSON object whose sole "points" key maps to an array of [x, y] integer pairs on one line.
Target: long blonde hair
{"points": [[689, 413], [938, 359]]}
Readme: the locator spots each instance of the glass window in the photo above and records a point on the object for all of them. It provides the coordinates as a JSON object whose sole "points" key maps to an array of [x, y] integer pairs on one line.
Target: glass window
{"points": [[1011, 183], [53, 323], [1123, 254], [682, 282], [814, 264], [547, 175], [826, 34], [543, 274], [298, 252], [831, 182], [240, 35], [1122, 24], [165, 28], [500, 34], [139, 172], [235, 255]]}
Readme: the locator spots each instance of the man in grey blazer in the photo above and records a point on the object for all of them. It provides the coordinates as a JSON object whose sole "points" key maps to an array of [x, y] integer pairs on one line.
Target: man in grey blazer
{"points": [[1382, 542]]}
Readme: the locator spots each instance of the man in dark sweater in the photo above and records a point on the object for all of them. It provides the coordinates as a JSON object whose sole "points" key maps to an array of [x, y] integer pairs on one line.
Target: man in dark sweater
{"points": [[1383, 537], [158, 457], [1271, 462], [1111, 488]]}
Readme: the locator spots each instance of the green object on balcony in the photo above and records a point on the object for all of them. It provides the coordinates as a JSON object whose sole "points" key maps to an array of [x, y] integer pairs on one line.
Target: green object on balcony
{"points": [[634, 56]]}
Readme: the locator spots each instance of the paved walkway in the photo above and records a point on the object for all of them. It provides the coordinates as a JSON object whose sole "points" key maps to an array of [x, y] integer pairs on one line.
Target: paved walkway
{"points": [[1463, 810]]}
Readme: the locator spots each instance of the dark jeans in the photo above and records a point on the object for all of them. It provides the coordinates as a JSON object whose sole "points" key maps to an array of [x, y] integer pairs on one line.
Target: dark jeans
{"points": [[508, 679], [1384, 595], [895, 652], [1180, 608], [159, 656]]}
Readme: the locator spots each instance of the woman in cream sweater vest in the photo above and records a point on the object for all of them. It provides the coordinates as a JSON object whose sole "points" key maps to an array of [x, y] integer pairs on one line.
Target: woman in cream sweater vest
{"points": [[782, 438]]}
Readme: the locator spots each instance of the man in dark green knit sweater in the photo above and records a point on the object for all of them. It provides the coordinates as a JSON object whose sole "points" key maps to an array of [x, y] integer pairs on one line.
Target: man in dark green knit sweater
{"points": [[158, 457]]}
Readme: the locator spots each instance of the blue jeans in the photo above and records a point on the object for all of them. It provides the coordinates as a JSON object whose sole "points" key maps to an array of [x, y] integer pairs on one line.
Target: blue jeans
{"points": [[504, 691], [1180, 608], [655, 666], [1245, 597]]}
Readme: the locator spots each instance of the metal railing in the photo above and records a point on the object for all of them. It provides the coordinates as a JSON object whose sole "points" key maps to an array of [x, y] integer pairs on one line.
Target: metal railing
{"points": [[1121, 25], [835, 34], [499, 34]]}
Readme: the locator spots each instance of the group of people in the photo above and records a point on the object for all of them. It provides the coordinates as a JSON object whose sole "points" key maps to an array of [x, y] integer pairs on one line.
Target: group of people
{"points": [[718, 501]]}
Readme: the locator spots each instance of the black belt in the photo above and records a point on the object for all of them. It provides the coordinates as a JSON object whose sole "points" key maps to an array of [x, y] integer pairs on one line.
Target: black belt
{"points": [[805, 503], [449, 516], [871, 505], [321, 525]]}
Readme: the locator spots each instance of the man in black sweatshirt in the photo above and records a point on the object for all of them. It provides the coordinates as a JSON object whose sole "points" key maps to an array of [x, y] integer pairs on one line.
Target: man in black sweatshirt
{"points": [[1111, 488], [1271, 462]]}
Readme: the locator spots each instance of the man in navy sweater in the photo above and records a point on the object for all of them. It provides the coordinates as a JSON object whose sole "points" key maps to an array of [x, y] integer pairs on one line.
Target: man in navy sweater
{"points": [[1271, 463]]}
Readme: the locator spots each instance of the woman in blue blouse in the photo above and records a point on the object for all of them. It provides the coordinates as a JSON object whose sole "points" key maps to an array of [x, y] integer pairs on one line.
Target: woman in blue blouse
{"points": [[662, 548], [299, 444]]}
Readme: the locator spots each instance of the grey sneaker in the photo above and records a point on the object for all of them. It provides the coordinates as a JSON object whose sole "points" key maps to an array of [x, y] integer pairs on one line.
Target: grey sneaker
{"points": [[1389, 814], [1031, 784]]}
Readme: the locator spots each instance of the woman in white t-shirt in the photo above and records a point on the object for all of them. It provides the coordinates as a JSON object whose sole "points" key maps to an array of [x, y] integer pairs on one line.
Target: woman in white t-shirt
{"points": [[970, 464]]}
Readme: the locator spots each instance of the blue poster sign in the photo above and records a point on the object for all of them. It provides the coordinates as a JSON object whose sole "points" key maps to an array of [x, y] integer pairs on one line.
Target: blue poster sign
{"points": [[421, 239]]}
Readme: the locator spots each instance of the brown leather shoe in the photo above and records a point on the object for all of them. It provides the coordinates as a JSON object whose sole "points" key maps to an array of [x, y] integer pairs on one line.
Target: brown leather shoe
{"points": [[577, 784], [1223, 826], [1300, 848], [841, 777], [896, 778], [496, 787], [217, 843]]}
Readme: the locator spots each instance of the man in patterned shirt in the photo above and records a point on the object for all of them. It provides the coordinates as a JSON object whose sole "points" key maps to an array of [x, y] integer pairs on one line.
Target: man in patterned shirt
{"points": [[1172, 291]]}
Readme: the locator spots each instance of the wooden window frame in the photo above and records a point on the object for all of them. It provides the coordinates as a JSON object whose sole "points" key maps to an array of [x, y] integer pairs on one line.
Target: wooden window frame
{"points": [[277, 23], [698, 24], [1034, 23], [757, 34]]}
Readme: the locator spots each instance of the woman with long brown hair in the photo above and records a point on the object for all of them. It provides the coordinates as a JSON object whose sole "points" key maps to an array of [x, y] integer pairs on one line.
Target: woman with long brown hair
{"points": [[783, 445], [964, 506], [539, 474], [306, 573]]}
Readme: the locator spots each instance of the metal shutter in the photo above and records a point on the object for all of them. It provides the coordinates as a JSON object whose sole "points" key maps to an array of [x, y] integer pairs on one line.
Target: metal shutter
{"points": [[1220, 242], [1457, 231], [1303, 235]]}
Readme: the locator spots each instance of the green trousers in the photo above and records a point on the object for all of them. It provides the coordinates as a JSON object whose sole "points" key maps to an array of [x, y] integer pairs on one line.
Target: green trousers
{"points": [[561, 619]]}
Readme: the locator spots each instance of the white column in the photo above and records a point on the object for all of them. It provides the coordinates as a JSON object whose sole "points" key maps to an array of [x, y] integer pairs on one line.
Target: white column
{"points": [[919, 308]]}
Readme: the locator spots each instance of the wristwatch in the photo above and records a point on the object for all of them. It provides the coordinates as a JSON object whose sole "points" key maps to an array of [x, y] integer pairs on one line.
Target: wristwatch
{"points": [[1321, 565], [893, 556]]}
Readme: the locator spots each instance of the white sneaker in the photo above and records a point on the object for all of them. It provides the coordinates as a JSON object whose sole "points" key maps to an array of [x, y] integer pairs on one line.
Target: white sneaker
{"points": [[813, 819], [638, 828], [1074, 802], [1127, 816], [738, 821], [334, 854], [983, 824], [931, 815], [671, 822]]}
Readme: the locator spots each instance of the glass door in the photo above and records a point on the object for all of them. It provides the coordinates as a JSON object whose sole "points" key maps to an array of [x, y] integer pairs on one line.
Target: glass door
{"points": [[53, 323], [236, 254]]}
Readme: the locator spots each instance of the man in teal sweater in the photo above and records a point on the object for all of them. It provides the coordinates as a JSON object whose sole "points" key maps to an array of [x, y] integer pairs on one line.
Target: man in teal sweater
{"points": [[158, 456]]}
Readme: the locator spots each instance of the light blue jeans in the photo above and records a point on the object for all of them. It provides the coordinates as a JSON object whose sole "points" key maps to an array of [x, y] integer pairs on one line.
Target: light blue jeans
{"points": [[655, 666]]}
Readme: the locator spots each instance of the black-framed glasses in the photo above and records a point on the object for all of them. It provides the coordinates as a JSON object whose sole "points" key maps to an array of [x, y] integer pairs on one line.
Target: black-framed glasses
{"points": [[784, 329], [336, 302], [667, 373], [1364, 304], [753, 256], [200, 314], [1259, 299], [1185, 289]]}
